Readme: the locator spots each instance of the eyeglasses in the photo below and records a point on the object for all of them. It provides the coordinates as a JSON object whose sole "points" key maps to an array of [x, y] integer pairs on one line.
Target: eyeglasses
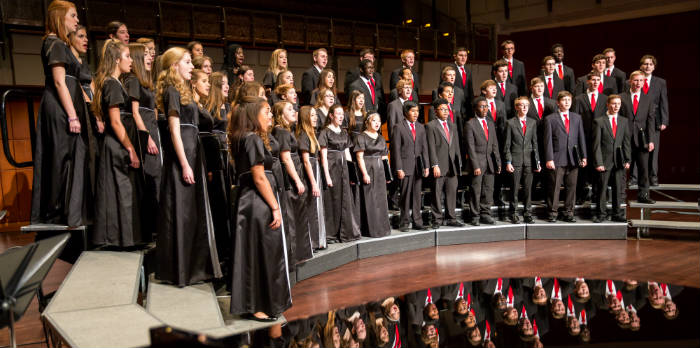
{"points": [[443, 109]]}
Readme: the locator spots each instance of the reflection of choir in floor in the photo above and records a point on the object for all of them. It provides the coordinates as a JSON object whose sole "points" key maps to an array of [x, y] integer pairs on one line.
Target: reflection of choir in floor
{"points": [[153, 145]]}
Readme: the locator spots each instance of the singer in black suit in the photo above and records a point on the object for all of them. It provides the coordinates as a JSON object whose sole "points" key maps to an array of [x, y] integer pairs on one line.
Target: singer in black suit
{"points": [[408, 60], [354, 73], [498, 118], [459, 101], [565, 151], [406, 74], [463, 78], [642, 123], [409, 154], [521, 157], [657, 89], [516, 74], [506, 91], [455, 102], [539, 108], [609, 86], [568, 73], [309, 80], [483, 161], [445, 163], [552, 83], [395, 109], [368, 86], [613, 71], [611, 156]]}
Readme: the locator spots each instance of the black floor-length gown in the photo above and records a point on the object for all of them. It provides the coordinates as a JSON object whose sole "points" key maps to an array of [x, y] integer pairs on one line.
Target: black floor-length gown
{"points": [[295, 202], [260, 279], [152, 165], [354, 132], [186, 244], [337, 200], [283, 185], [217, 154], [61, 189], [374, 206], [314, 205], [118, 185]]}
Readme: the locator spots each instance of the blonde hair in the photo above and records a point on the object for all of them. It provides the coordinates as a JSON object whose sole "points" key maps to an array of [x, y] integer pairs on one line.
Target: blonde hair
{"points": [[304, 125], [278, 113], [169, 77], [216, 96], [274, 67], [282, 90], [112, 52], [138, 68], [351, 108], [55, 19], [321, 94], [197, 75]]}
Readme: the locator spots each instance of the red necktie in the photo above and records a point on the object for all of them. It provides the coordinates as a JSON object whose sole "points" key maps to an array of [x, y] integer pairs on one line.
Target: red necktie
{"points": [[635, 104], [486, 129], [371, 89], [413, 131], [539, 108], [600, 87], [524, 127], [614, 126], [549, 86], [607, 72], [645, 87], [447, 131], [566, 123], [592, 101], [510, 69], [503, 88], [493, 111], [397, 339], [452, 115], [561, 71], [464, 76]]}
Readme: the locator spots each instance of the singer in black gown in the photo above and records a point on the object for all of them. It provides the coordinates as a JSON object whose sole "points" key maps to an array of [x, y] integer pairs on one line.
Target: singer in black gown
{"points": [[315, 214], [374, 207], [186, 246], [61, 189]]}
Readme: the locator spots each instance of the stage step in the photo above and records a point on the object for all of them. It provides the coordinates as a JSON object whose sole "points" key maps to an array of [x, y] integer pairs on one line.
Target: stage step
{"points": [[670, 187], [674, 225], [192, 308], [116, 326], [82, 230], [235, 325], [666, 205], [99, 279]]}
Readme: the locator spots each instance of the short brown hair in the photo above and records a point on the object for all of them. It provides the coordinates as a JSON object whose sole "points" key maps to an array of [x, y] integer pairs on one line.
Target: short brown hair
{"points": [[460, 49], [597, 57], [520, 99], [591, 74], [545, 59], [611, 97], [406, 52], [636, 72], [366, 51], [499, 63], [563, 94], [446, 69], [319, 50], [536, 80], [647, 56], [486, 84], [507, 42], [609, 49], [402, 83]]}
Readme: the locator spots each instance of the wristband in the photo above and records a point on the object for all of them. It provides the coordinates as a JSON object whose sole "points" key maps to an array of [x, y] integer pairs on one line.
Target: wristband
{"points": [[71, 119]]}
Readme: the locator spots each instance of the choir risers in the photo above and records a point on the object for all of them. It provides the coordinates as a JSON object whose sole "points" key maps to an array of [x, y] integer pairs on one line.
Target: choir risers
{"points": [[192, 308], [583, 229], [397, 242], [669, 225], [57, 229], [666, 205], [671, 187], [468, 234], [334, 256]]}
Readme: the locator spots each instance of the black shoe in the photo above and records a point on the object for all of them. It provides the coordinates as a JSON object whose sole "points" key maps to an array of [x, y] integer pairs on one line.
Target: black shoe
{"points": [[552, 218], [528, 219], [455, 223], [435, 226], [403, 228], [619, 218], [633, 181], [645, 199], [249, 316], [487, 220], [419, 227], [654, 182], [514, 219], [569, 218], [597, 219], [475, 221]]}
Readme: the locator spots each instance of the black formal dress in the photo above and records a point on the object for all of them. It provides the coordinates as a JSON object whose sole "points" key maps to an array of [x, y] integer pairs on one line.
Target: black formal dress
{"points": [[321, 121], [315, 214], [61, 189], [337, 199], [373, 207], [118, 185], [186, 243], [218, 165], [260, 281], [296, 209], [283, 185], [152, 165]]}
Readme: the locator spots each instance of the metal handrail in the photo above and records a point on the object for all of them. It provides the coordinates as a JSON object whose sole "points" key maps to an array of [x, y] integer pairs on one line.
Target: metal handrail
{"points": [[3, 125]]}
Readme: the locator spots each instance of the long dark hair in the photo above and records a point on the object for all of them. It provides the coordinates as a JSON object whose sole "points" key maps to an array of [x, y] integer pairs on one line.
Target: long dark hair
{"points": [[138, 68], [331, 111], [245, 120]]}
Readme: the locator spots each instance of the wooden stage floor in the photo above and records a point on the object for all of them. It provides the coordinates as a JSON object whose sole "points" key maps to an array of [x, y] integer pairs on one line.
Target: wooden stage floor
{"points": [[675, 262]]}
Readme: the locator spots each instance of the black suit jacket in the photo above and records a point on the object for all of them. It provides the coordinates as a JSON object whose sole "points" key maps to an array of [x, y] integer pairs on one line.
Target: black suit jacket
{"points": [[395, 95], [442, 153], [518, 148], [518, 78], [559, 146], [620, 78], [458, 105], [605, 145], [405, 150], [509, 98], [350, 76], [501, 116], [569, 78], [548, 106], [582, 106], [467, 88], [360, 85], [482, 152], [657, 89], [609, 85], [394, 115], [309, 82], [557, 86], [644, 120], [394, 79]]}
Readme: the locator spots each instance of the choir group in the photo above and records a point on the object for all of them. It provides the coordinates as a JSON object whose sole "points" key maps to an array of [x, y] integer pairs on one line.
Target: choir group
{"points": [[235, 178]]}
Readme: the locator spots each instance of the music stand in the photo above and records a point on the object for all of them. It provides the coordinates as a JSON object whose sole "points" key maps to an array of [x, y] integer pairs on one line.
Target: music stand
{"points": [[23, 269]]}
